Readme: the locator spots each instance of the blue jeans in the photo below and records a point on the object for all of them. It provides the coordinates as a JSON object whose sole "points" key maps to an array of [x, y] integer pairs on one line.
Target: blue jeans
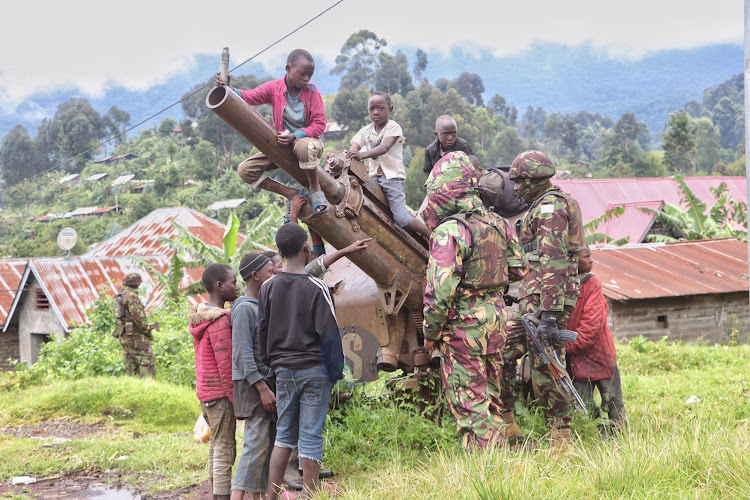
{"points": [[302, 398], [251, 474]]}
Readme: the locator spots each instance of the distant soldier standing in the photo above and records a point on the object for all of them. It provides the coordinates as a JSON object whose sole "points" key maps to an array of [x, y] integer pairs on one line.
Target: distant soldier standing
{"points": [[473, 253], [132, 329], [551, 235]]}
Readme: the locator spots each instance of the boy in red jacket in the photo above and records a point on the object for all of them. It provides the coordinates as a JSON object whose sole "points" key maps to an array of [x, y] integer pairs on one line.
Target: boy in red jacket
{"points": [[300, 118], [211, 327], [592, 360]]}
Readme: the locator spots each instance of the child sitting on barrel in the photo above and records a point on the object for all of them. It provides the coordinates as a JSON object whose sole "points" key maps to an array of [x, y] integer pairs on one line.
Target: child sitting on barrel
{"points": [[299, 117], [382, 143]]}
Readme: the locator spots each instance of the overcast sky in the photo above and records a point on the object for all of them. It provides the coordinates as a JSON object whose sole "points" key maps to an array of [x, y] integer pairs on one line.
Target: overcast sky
{"points": [[90, 45]]}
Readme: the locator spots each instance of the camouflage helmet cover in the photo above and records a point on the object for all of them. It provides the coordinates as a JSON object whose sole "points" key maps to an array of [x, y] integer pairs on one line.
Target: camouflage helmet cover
{"points": [[132, 279], [531, 165]]}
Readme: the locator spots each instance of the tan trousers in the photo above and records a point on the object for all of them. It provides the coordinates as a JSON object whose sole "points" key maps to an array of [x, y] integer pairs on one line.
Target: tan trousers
{"points": [[306, 150]]}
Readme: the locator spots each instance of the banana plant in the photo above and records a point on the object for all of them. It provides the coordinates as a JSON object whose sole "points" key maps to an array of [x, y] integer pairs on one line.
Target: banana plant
{"points": [[190, 252], [692, 220]]}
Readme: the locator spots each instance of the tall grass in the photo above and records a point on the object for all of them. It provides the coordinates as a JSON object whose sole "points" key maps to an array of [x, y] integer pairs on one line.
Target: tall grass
{"points": [[389, 448]]}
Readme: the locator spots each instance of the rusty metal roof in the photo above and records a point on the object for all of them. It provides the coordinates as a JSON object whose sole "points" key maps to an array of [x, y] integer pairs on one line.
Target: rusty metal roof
{"points": [[72, 285], [672, 269], [595, 196], [143, 237], [11, 272]]}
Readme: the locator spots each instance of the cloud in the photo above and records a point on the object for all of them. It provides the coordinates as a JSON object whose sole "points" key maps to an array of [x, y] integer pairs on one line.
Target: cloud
{"points": [[91, 46]]}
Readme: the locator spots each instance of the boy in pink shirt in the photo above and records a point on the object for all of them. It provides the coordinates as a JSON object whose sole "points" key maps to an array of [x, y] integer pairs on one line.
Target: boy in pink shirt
{"points": [[299, 116]]}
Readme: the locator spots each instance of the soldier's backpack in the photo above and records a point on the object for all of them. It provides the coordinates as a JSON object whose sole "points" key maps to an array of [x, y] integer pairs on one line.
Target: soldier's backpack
{"points": [[496, 191], [119, 307]]}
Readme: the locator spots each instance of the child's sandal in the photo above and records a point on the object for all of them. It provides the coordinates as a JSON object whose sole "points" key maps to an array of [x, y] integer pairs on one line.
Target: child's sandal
{"points": [[319, 203], [288, 205]]}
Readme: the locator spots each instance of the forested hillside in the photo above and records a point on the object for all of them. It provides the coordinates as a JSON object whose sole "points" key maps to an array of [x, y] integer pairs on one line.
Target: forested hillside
{"points": [[192, 163]]}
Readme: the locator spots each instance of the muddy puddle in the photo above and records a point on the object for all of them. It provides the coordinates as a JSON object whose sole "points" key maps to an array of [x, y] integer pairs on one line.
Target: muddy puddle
{"points": [[98, 487]]}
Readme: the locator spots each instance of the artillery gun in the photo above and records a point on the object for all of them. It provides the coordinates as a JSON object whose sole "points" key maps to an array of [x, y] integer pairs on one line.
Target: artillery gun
{"points": [[379, 307]]}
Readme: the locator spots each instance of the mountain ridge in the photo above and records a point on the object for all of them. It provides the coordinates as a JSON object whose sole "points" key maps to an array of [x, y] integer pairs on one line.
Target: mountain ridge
{"points": [[555, 77]]}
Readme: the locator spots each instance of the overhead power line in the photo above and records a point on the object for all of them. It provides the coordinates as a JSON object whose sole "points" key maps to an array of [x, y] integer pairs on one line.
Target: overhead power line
{"points": [[185, 97]]}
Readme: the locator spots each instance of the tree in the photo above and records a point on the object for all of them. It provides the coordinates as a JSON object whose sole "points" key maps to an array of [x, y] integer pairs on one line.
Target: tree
{"points": [[116, 120], [166, 127], [415, 177], [19, 158], [420, 65], [532, 123], [350, 107], [499, 107], [707, 145], [203, 162], [469, 86], [728, 116], [679, 143], [392, 75], [75, 128], [357, 59]]}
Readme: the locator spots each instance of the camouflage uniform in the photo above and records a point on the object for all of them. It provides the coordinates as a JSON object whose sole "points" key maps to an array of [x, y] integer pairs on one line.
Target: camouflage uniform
{"points": [[132, 329], [471, 252], [551, 235]]}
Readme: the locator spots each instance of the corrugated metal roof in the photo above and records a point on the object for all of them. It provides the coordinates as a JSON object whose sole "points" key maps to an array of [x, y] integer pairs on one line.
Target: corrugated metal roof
{"points": [[672, 269], [11, 272], [68, 178], [72, 285], [81, 211], [221, 205], [633, 223], [103, 210], [123, 179], [97, 177], [143, 237], [596, 195]]}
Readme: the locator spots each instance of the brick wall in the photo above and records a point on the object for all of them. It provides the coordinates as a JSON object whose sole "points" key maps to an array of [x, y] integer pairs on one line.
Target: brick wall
{"points": [[8, 347]]}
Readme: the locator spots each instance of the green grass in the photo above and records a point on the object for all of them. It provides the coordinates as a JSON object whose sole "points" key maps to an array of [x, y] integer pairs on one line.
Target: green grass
{"points": [[383, 448]]}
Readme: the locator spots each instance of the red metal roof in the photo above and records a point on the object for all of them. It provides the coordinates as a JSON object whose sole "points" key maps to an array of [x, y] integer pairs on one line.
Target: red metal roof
{"points": [[11, 272], [143, 237], [103, 210], [672, 269], [72, 285], [595, 196], [633, 223]]}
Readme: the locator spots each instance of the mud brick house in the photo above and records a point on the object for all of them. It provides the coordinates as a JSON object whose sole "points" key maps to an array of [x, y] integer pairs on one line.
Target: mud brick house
{"points": [[686, 291], [42, 297]]}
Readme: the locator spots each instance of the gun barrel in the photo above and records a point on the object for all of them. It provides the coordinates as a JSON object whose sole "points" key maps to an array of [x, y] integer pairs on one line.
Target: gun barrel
{"points": [[380, 261]]}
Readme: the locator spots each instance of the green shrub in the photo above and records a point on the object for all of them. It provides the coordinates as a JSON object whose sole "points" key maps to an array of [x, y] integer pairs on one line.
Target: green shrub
{"points": [[91, 350]]}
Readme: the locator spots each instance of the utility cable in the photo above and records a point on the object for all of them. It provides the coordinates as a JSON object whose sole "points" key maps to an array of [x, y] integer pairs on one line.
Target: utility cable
{"points": [[185, 97]]}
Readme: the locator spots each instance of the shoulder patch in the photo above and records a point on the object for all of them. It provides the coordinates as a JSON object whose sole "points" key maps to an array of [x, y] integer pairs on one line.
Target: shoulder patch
{"points": [[547, 209]]}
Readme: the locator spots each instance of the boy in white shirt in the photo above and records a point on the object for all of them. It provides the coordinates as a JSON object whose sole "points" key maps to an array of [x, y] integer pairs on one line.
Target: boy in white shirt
{"points": [[383, 143]]}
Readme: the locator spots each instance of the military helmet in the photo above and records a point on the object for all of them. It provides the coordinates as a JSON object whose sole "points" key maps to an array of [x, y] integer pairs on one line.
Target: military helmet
{"points": [[132, 279], [531, 165]]}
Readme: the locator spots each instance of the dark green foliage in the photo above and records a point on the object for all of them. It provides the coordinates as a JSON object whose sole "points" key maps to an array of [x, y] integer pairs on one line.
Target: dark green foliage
{"points": [[90, 351], [196, 165], [679, 143], [358, 58], [19, 156]]}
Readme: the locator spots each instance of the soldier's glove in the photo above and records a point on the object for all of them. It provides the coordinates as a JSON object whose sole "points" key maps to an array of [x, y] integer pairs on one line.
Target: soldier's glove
{"points": [[548, 330]]}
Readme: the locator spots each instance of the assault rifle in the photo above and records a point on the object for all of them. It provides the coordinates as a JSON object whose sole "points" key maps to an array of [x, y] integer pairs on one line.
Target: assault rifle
{"points": [[549, 357]]}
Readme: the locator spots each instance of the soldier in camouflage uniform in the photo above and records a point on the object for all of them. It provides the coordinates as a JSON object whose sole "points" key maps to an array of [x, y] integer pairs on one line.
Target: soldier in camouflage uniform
{"points": [[472, 253], [551, 236], [132, 329]]}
